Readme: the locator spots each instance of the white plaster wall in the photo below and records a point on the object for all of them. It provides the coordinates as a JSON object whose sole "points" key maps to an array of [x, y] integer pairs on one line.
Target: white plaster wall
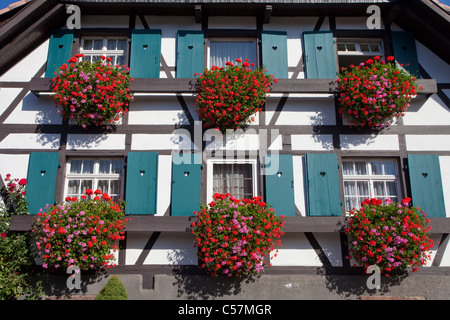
{"points": [[302, 109], [427, 142], [445, 262], [433, 65], [431, 111], [294, 26], [7, 95], [103, 21], [299, 184], [35, 110], [157, 110], [235, 141], [295, 250], [369, 142], [15, 164], [179, 140], [31, 141], [27, 68], [359, 23], [96, 141], [164, 184], [223, 22], [169, 27], [331, 245], [310, 142], [169, 249], [444, 162]]}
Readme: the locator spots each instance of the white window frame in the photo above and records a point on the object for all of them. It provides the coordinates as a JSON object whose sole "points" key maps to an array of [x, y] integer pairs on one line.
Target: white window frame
{"points": [[214, 39], [93, 176], [210, 174], [371, 178], [104, 51], [358, 52]]}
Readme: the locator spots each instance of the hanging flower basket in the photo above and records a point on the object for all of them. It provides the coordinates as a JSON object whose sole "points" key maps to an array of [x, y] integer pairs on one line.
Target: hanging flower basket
{"points": [[391, 236], [92, 93], [234, 236], [228, 97], [80, 232], [373, 93]]}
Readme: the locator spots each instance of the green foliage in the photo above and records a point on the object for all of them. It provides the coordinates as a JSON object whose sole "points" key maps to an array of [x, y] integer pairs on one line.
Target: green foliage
{"points": [[227, 97], [81, 232], [16, 257], [113, 290]]}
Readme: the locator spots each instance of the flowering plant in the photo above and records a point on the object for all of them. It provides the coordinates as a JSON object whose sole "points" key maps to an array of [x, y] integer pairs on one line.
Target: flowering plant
{"points": [[234, 236], [16, 202], [227, 97], [92, 93], [392, 236], [374, 92], [16, 257], [80, 232]]}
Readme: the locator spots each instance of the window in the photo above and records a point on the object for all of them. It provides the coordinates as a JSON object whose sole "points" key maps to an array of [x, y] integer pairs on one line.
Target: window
{"points": [[223, 50], [370, 179], [115, 48], [236, 177], [103, 174], [355, 51]]}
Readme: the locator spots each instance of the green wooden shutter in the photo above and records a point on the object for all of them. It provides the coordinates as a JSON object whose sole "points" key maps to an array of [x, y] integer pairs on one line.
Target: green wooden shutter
{"points": [[141, 183], [41, 180], [426, 184], [323, 184], [319, 55], [186, 186], [404, 45], [189, 53], [59, 51], [145, 55], [280, 187], [274, 53]]}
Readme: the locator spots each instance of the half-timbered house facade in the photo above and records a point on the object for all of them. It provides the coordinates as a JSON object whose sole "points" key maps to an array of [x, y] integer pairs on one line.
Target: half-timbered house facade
{"points": [[302, 43]]}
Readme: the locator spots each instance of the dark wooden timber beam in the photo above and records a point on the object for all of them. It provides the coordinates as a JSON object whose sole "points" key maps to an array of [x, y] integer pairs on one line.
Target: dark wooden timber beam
{"points": [[150, 223], [148, 85]]}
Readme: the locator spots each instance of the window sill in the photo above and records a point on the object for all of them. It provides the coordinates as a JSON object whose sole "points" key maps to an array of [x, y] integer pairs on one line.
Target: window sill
{"points": [[40, 86], [150, 223]]}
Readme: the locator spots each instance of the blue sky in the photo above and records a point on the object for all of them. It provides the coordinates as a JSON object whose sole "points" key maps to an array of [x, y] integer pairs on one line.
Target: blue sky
{"points": [[5, 3]]}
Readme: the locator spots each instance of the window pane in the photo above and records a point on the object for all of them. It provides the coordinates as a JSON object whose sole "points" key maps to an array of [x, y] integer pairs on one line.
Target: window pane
{"points": [[103, 186], [114, 187], [85, 184], [350, 47], [104, 166], [341, 47], [379, 188], [120, 60], [391, 188], [98, 44], [222, 52], [121, 45], [360, 168], [73, 187], [347, 168], [363, 188], [75, 166], [87, 44], [389, 168], [88, 166], [96, 58], [377, 168], [364, 46], [111, 44], [117, 166]]}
